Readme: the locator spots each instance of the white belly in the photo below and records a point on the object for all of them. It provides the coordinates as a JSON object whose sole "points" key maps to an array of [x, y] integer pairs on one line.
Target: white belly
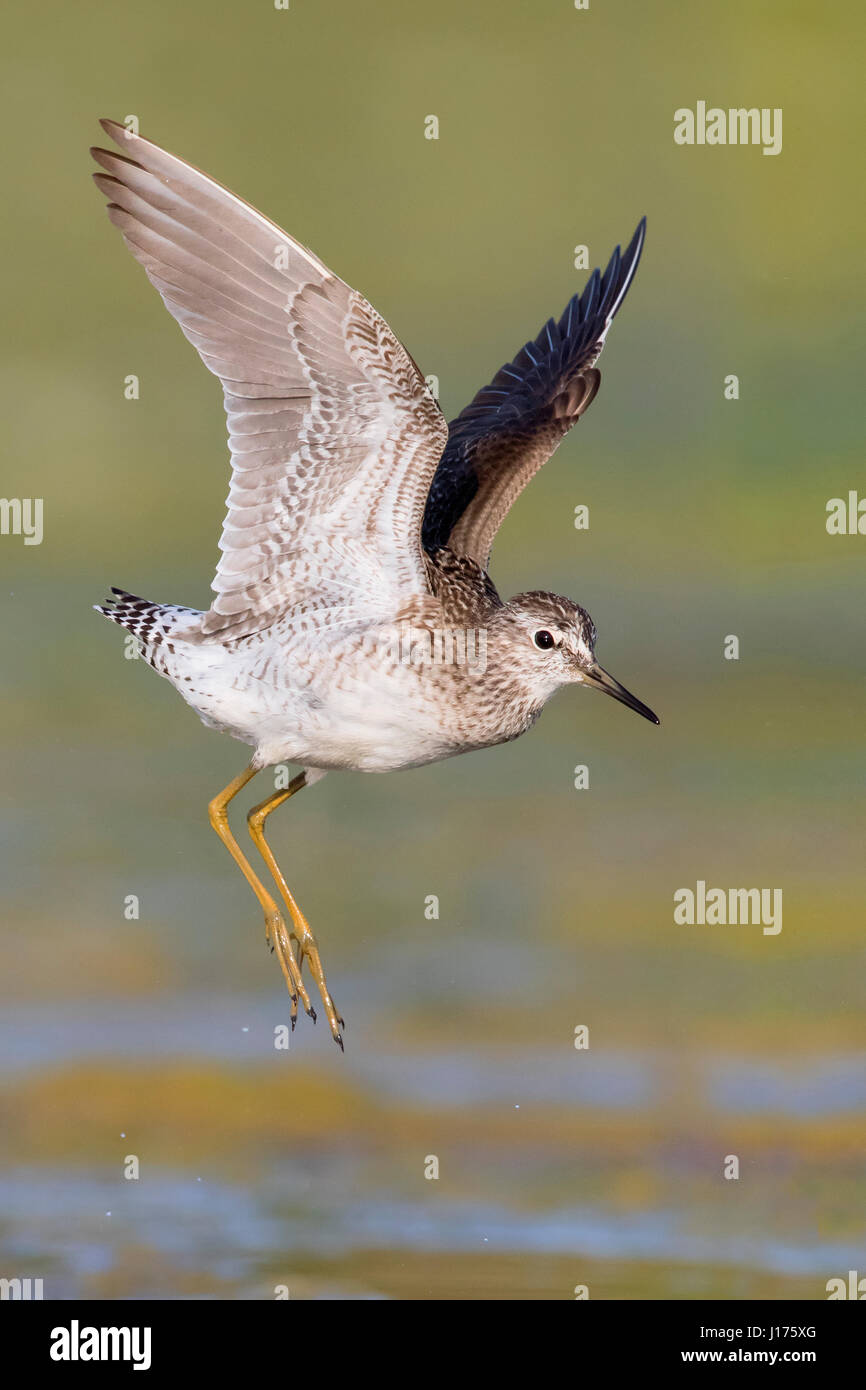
{"points": [[362, 720]]}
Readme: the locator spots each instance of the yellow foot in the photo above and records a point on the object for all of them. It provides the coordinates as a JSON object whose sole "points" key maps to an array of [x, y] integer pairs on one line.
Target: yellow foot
{"points": [[277, 937], [308, 946]]}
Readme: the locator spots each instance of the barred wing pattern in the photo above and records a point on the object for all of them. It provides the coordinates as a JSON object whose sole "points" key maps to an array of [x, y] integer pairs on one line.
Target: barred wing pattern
{"points": [[334, 435], [502, 438]]}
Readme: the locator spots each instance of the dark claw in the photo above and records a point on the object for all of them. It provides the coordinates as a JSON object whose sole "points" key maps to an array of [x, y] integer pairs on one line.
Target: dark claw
{"points": [[339, 1040], [294, 1021], [311, 1013]]}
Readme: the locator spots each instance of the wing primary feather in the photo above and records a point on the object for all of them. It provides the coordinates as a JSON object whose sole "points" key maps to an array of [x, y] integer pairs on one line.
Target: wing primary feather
{"points": [[497, 443]]}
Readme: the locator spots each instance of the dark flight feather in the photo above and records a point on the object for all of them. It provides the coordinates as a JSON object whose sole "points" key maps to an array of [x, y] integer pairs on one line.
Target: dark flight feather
{"points": [[513, 425]]}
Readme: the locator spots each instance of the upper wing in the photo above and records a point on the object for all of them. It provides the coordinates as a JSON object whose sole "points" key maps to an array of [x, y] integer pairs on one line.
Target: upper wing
{"points": [[513, 425], [333, 433]]}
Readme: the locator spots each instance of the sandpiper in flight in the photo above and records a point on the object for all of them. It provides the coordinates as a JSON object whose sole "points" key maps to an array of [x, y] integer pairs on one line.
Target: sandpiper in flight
{"points": [[355, 515]]}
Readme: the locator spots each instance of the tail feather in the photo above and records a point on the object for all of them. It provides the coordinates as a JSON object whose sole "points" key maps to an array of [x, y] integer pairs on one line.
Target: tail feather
{"points": [[153, 624]]}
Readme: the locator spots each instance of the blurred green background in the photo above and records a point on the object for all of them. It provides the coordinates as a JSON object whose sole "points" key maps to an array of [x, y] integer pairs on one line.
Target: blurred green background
{"points": [[154, 1037]]}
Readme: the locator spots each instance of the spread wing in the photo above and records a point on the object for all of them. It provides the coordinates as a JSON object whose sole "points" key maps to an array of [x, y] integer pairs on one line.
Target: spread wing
{"points": [[502, 438], [333, 433]]}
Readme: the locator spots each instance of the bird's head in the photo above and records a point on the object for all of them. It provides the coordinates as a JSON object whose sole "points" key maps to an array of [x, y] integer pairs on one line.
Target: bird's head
{"points": [[550, 641]]}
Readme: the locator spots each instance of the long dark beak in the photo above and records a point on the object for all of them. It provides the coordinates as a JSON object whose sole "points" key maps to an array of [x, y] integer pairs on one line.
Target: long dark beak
{"points": [[597, 677]]}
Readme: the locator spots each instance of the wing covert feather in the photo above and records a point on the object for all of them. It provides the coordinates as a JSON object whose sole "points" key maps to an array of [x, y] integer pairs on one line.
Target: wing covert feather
{"points": [[334, 435]]}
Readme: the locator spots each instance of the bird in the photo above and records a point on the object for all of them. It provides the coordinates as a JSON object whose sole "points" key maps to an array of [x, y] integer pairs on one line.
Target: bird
{"points": [[354, 624]]}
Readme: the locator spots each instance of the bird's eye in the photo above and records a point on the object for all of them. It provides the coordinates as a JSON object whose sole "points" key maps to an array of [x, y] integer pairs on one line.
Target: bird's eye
{"points": [[544, 640]]}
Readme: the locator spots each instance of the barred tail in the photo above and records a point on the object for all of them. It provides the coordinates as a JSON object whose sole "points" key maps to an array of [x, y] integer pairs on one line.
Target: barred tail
{"points": [[155, 625]]}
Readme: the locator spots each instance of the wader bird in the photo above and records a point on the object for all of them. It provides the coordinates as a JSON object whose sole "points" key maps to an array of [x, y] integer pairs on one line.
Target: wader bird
{"points": [[353, 586]]}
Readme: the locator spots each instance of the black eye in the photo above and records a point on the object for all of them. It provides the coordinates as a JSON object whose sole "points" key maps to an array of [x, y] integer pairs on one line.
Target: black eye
{"points": [[544, 639]]}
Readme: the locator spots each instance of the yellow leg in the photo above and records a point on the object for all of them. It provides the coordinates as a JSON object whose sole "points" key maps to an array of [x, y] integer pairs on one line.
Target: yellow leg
{"points": [[307, 944], [275, 928]]}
